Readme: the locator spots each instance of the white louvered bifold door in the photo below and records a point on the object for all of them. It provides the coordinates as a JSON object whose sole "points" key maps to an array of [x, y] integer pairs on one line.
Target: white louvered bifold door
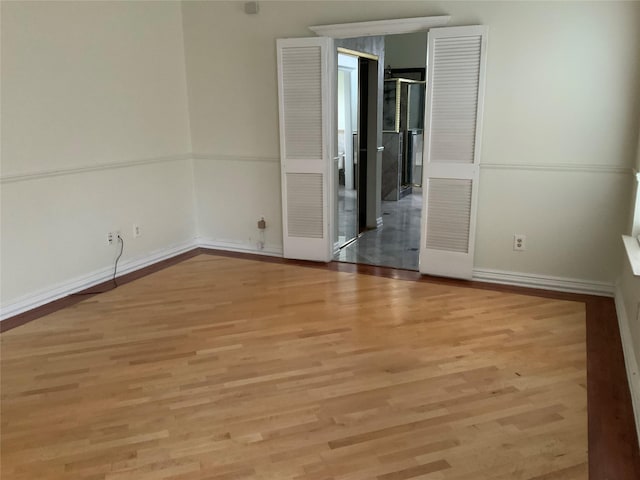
{"points": [[306, 145], [456, 62]]}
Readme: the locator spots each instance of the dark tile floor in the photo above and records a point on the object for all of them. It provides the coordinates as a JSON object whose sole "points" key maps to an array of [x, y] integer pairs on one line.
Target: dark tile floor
{"points": [[396, 243], [347, 215]]}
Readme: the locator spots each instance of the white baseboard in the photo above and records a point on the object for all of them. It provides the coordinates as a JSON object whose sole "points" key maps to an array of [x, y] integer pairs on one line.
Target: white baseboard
{"points": [[241, 247], [630, 359], [63, 289], [560, 284], [77, 284]]}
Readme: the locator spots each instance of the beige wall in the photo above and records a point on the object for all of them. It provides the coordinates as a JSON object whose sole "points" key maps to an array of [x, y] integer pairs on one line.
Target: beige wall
{"points": [[85, 83], [560, 129], [92, 85], [87, 86]]}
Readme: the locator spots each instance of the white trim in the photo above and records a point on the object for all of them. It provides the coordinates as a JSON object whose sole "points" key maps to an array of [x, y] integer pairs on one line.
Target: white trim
{"points": [[242, 247], [63, 289], [632, 247], [233, 158], [194, 197], [69, 287], [318, 248], [435, 261], [545, 282], [634, 217], [630, 359], [66, 288], [21, 177], [559, 167], [380, 27]]}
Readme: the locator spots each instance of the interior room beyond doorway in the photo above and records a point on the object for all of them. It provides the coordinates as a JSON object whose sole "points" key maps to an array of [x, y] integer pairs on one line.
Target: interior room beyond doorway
{"points": [[396, 243], [396, 240]]}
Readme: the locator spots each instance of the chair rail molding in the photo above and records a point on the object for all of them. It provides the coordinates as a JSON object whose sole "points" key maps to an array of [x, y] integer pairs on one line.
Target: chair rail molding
{"points": [[21, 177], [558, 167], [234, 158]]}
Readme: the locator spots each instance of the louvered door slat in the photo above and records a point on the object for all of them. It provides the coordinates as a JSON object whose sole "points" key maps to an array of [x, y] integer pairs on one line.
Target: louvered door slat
{"points": [[302, 99], [304, 202], [455, 85], [448, 214]]}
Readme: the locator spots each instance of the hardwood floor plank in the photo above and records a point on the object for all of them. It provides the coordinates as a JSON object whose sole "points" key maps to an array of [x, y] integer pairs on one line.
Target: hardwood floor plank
{"points": [[413, 472], [221, 367]]}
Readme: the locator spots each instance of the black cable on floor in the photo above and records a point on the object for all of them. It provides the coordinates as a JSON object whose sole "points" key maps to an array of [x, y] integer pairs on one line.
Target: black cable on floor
{"points": [[113, 279]]}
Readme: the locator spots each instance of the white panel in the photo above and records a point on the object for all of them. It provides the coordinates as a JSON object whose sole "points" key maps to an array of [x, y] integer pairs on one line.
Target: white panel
{"points": [[380, 27], [448, 214], [302, 99], [455, 79], [306, 91], [453, 130], [304, 201]]}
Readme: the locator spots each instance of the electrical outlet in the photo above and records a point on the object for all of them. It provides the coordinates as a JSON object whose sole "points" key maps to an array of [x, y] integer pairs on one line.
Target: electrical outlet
{"points": [[262, 223], [112, 237], [136, 231], [519, 242]]}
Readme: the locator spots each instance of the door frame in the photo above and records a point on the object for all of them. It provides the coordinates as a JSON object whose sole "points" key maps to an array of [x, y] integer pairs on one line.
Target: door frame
{"points": [[380, 27], [367, 143], [365, 29], [349, 147]]}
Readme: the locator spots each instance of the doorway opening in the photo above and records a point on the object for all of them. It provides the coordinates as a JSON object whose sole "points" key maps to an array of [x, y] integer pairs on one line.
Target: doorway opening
{"points": [[348, 148], [357, 137], [393, 237], [307, 79]]}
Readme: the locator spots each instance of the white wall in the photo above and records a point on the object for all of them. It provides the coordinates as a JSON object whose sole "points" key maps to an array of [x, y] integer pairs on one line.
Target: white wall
{"points": [[101, 128], [561, 119], [232, 195], [95, 137]]}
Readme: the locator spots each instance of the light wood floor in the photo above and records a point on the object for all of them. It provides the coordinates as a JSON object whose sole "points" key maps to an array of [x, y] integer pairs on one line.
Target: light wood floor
{"points": [[221, 368]]}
